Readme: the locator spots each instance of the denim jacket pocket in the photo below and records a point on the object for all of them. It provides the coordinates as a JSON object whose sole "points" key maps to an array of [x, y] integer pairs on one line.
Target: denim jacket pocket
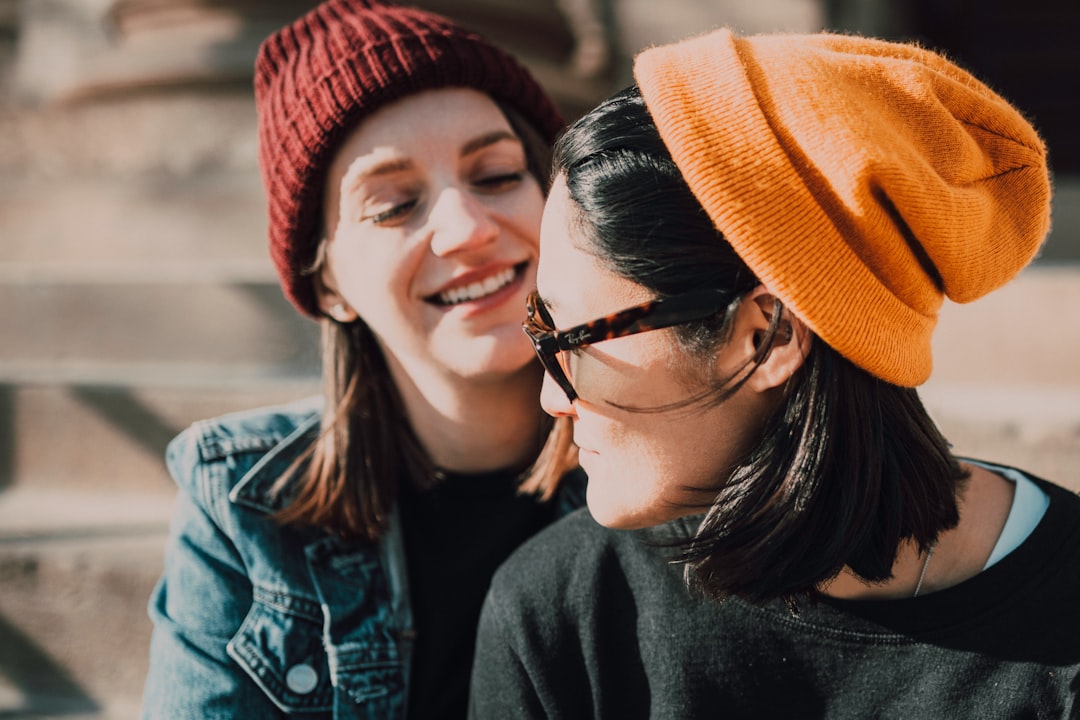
{"points": [[280, 646], [370, 673]]}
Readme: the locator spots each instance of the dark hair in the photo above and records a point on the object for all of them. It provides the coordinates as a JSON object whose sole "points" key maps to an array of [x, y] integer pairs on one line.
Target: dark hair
{"points": [[347, 480], [848, 466]]}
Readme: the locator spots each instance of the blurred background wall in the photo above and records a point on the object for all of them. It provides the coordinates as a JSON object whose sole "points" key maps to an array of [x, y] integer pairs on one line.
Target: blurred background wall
{"points": [[136, 294]]}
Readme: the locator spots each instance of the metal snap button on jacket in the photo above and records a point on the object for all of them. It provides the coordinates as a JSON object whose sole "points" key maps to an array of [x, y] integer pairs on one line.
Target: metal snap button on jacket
{"points": [[301, 678]]}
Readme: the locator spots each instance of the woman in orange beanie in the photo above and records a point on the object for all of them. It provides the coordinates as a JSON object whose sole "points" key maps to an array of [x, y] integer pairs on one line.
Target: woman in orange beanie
{"points": [[742, 260], [328, 558]]}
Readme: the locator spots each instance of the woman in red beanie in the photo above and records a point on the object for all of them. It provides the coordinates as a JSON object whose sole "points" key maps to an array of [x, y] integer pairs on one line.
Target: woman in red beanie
{"points": [[742, 259], [329, 558]]}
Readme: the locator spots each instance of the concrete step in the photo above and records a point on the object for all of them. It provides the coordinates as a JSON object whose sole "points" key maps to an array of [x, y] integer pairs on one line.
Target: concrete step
{"points": [[84, 507], [76, 571], [152, 135], [1026, 333], [84, 513], [140, 278], [1006, 380], [88, 438], [1033, 428], [117, 226], [88, 331]]}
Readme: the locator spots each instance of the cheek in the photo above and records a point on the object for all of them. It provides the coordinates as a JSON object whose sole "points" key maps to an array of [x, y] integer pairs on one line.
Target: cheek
{"points": [[654, 467], [638, 372], [652, 472], [371, 272], [678, 448], [521, 211]]}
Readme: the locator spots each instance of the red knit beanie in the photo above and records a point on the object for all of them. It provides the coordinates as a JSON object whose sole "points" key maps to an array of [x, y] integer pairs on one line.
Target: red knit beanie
{"points": [[317, 78]]}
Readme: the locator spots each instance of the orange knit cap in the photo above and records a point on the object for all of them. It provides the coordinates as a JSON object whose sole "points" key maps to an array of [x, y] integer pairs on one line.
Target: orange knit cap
{"points": [[862, 181]]}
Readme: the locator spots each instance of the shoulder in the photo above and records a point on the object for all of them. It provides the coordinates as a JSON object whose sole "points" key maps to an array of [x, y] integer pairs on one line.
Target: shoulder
{"points": [[555, 551], [576, 592], [211, 457], [577, 560], [247, 431]]}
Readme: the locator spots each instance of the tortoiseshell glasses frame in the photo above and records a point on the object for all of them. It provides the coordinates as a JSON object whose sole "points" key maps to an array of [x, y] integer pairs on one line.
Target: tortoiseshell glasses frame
{"points": [[653, 315]]}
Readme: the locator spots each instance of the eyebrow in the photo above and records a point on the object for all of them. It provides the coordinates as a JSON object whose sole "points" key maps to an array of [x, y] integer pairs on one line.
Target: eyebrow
{"points": [[396, 165], [488, 139], [357, 176]]}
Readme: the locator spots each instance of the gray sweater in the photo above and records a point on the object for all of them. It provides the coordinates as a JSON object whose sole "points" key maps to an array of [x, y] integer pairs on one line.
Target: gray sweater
{"points": [[587, 622]]}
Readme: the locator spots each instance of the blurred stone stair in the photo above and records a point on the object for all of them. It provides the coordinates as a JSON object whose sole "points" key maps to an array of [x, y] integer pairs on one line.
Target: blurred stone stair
{"points": [[137, 297], [110, 349], [1006, 382]]}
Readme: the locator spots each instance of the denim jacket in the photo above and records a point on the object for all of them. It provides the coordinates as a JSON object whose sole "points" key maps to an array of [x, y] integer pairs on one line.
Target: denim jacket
{"points": [[256, 620]]}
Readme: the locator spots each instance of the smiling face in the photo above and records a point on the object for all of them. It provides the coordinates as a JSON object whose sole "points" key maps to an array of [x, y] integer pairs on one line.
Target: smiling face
{"points": [[642, 466], [432, 220]]}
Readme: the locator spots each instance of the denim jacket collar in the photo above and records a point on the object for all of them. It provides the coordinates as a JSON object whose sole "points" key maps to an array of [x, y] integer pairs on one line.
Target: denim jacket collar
{"points": [[254, 490]]}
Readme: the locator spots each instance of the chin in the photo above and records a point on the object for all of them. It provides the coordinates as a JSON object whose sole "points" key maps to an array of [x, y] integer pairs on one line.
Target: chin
{"points": [[497, 367], [617, 520], [615, 502], [490, 355], [613, 512]]}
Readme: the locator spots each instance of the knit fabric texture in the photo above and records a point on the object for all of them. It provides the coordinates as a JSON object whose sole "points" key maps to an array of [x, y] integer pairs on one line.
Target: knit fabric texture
{"points": [[317, 78], [863, 181]]}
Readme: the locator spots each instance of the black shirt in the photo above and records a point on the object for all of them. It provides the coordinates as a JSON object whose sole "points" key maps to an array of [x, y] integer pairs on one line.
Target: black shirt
{"points": [[587, 622], [456, 534]]}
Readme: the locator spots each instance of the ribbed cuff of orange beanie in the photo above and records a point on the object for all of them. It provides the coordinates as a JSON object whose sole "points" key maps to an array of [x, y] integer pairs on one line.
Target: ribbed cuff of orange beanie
{"points": [[862, 181]]}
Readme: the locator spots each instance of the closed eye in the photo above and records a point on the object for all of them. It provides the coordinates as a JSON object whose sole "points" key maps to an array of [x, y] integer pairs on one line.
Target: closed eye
{"points": [[392, 213], [502, 181]]}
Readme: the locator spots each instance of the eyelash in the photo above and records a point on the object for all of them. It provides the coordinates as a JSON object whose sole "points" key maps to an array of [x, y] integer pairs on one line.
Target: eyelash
{"points": [[392, 213], [498, 181], [491, 183]]}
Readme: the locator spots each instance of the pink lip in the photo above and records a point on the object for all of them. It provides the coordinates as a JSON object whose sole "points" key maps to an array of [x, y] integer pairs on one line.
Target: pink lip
{"points": [[470, 308], [467, 278]]}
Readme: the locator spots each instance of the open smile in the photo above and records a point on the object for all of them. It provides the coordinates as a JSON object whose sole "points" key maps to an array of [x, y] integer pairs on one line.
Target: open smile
{"points": [[478, 289]]}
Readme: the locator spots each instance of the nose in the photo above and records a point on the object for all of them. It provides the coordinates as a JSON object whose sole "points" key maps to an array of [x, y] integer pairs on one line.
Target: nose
{"points": [[459, 222], [554, 400]]}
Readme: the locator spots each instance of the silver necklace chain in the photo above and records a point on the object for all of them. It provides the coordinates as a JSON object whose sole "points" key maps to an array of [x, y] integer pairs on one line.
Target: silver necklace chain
{"points": [[926, 564]]}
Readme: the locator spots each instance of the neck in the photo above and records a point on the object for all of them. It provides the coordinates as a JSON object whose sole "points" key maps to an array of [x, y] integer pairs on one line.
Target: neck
{"points": [[906, 571], [474, 424], [959, 554]]}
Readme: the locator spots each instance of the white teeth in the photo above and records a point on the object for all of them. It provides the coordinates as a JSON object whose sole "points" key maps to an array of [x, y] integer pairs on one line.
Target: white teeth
{"points": [[476, 290]]}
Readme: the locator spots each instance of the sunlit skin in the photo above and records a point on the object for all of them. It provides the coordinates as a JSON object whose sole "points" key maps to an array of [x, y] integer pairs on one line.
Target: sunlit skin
{"points": [[427, 199], [642, 466]]}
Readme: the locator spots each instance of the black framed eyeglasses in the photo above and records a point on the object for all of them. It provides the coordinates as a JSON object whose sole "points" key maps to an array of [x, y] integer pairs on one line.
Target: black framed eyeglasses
{"points": [[653, 315]]}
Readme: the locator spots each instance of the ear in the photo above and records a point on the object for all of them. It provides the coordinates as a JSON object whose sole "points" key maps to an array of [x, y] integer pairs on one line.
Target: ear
{"points": [[329, 299], [790, 345]]}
